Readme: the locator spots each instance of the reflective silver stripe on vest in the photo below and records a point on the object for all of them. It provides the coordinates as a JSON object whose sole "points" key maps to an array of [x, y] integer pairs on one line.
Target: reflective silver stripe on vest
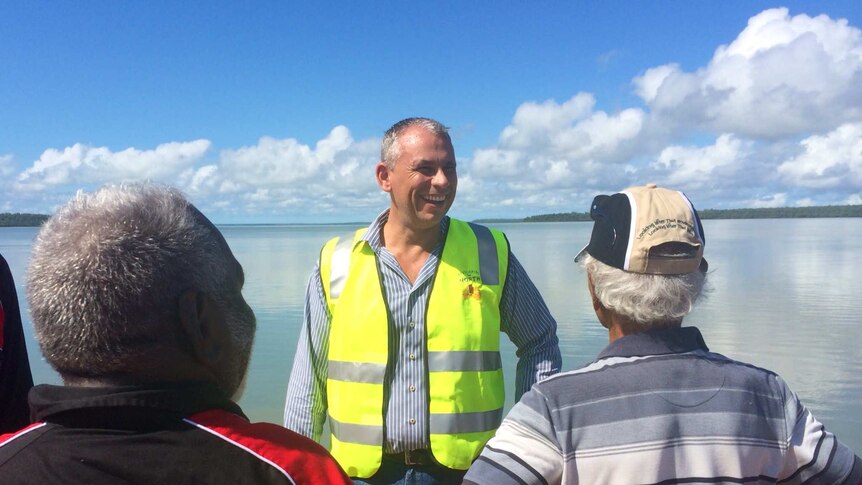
{"points": [[464, 361], [466, 422], [362, 434], [356, 372], [340, 265], [489, 268]]}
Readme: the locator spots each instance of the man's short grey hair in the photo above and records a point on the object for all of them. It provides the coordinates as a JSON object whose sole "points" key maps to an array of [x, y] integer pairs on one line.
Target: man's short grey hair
{"points": [[391, 148], [107, 272], [645, 299]]}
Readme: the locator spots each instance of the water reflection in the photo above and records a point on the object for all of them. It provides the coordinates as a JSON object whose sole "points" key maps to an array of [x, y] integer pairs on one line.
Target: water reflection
{"points": [[785, 296]]}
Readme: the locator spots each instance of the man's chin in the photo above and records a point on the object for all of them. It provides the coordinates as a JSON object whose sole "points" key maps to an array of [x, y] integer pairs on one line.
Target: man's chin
{"points": [[434, 214]]}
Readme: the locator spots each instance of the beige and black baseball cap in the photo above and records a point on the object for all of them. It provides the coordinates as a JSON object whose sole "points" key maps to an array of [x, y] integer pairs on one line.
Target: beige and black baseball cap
{"points": [[648, 230]]}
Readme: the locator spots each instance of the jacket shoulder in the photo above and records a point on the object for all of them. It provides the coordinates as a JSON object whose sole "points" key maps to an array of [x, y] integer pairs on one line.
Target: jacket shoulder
{"points": [[297, 457], [12, 443]]}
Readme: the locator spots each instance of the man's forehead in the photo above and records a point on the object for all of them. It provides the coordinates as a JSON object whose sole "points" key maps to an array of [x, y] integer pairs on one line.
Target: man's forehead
{"points": [[415, 132], [418, 139]]}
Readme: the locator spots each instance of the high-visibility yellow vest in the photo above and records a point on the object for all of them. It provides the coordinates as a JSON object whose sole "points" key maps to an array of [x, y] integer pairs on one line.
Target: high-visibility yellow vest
{"points": [[465, 376]]}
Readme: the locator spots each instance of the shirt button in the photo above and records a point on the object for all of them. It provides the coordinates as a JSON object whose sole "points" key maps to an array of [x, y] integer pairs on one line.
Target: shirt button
{"points": [[412, 388], [411, 421], [412, 324], [412, 356]]}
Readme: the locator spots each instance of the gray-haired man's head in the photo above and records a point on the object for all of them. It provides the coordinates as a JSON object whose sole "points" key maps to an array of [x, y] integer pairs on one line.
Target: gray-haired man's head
{"points": [[123, 277]]}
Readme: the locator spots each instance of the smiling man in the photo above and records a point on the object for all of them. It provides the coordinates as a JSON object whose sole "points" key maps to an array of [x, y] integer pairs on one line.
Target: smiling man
{"points": [[400, 346]]}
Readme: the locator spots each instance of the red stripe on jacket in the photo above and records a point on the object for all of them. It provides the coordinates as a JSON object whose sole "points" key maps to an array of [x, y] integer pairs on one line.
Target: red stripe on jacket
{"points": [[5, 438], [299, 458]]}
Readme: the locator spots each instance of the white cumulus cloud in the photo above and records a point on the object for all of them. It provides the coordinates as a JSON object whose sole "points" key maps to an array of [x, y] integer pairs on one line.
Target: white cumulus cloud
{"points": [[534, 123], [281, 163], [337, 173], [783, 75], [775, 111], [551, 149], [83, 165], [694, 167], [833, 160]]}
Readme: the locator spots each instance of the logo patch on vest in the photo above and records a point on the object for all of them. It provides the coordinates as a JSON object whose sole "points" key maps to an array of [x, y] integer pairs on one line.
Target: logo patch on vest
{"points": [[472, 291], [471, 276]]}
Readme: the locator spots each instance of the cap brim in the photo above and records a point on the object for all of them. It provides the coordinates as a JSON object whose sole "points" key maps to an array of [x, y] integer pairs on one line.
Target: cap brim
{"points": [[582, 253]]}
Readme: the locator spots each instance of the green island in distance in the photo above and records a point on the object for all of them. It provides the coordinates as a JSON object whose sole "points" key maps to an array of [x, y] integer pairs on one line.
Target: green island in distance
{"points": [[760, 213], [21, 220], [35, 220]]}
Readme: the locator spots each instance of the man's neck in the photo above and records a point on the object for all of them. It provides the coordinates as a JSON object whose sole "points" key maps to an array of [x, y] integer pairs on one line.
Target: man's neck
{"points": [[620, 327], [411, 247], [398, 237]]}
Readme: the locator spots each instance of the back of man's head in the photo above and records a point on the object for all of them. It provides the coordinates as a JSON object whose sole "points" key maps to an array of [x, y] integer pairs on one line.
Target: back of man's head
{"points": [[107, 275], [645, 255]]}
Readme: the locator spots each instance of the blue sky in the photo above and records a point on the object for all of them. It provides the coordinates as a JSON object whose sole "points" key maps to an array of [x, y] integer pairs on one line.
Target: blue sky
{"points": [[273, 111]]}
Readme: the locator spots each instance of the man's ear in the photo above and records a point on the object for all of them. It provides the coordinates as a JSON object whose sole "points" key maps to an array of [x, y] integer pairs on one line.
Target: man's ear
{"points": [[381, 171], [601, 311], [204, 326], [596, 302]]}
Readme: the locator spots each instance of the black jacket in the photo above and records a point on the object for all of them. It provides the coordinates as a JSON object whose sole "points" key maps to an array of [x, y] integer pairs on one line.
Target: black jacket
{"points": [[171, 434]]}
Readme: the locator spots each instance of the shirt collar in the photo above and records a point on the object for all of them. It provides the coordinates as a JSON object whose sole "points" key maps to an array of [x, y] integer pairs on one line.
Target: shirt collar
{"points": [[372, 234], [674, 340], [181, 399]]}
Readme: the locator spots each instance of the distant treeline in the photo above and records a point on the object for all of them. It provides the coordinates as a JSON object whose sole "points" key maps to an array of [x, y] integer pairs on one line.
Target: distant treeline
{"points": [[764, 213], [784, 212], [33, 220], [22, 220]]}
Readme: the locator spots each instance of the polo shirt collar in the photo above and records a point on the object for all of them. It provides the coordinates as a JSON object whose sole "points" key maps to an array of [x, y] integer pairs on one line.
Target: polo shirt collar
{"points": [[663, 341]]}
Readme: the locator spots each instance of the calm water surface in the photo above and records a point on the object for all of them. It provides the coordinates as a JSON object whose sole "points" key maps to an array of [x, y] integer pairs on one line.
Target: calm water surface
{"points": [[785, 296]]}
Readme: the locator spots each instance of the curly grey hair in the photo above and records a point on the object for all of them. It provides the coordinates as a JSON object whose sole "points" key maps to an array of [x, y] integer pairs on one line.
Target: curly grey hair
{"points": [[391, 149], [645, 299], [107, 272]]}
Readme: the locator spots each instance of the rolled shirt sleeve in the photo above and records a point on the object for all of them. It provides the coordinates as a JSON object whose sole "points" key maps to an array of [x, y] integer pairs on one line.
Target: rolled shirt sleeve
{"points": [[525, 318], [305, 404]]}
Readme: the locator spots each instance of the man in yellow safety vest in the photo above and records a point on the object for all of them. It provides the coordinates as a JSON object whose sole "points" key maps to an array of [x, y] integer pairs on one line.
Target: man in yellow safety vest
{"points": [[400, 344]]}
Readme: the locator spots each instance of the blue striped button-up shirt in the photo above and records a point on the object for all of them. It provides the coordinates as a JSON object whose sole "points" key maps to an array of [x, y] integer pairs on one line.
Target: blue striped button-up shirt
{"points": [[524, 318]]}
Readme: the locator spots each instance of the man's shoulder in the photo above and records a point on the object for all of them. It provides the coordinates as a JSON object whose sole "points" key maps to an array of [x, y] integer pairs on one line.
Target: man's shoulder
{"points": [[615, 374], [478, 225], [22, 437], [349, 233], [488, 234], [232, 427], [294, 454], [15, 447]]}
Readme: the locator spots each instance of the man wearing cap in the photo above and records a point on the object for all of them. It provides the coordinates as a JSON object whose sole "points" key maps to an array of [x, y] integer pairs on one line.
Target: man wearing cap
{"points": [[400, 347], [657, 406]]}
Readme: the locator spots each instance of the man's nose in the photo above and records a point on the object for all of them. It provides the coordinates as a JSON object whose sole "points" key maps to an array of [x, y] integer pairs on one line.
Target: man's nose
{"points": [[440, 178]]}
